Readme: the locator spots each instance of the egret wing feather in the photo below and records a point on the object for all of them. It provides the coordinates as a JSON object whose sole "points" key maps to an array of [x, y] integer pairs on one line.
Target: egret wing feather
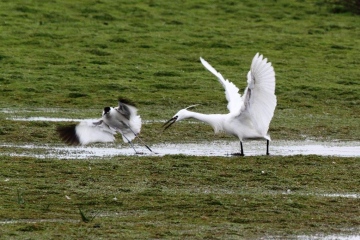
{"points": [[259, 96], [235, 102]]}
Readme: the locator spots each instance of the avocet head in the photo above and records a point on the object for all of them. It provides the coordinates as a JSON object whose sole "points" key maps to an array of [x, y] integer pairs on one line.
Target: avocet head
{"points": [[180, 115], [106, 110]]}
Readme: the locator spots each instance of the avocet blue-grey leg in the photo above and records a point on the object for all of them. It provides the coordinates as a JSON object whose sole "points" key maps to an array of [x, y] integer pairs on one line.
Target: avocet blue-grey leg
{"points": [[122, 119], [129, 142], [137, 135]]}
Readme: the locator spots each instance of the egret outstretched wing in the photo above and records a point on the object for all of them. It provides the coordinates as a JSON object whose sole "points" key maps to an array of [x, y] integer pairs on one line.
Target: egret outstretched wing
{"points": [[250, 114], [235, 102], [259, 96]]}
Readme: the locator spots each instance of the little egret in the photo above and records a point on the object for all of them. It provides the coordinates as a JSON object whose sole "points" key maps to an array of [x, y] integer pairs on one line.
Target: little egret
{"points": [[249, 115], [122, 119]]}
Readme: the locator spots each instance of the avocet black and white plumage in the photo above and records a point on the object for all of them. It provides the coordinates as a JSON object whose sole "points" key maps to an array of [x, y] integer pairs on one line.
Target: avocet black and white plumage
{"points": [[249, 115], [122, 119]]}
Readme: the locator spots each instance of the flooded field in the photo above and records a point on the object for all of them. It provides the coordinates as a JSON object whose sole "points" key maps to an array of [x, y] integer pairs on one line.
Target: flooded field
{"points": [[320, 237], [222, 148], [217, 148], [214, 148]]}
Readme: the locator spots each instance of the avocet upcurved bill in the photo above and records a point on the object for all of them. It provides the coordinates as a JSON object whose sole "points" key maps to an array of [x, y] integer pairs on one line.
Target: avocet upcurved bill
{"points": [[249, 115], [122, 119]]}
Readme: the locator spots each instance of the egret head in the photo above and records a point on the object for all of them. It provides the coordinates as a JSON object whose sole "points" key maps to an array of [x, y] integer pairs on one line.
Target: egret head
{"points": [[180, 115]]}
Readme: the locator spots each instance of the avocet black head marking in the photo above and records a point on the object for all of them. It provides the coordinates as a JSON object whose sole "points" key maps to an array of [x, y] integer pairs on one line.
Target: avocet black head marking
{"points": [[106, 110]]}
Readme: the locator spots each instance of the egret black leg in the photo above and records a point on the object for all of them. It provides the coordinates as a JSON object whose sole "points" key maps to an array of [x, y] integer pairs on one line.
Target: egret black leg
{"points": [[267, 147], [241, 153], [242, 150]]}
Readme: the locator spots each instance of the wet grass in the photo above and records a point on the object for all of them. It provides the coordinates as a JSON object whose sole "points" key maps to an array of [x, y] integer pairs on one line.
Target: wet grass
{"points": [[178, 197], [67, 59]]}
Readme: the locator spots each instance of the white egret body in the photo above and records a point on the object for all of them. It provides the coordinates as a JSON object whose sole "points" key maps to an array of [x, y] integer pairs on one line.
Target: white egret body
{"points": [[122, 119], [249, 115]]}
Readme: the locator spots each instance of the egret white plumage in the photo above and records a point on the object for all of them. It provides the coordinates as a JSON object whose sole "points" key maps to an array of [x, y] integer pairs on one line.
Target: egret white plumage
{"points": [[122, 119], [249, 115]]}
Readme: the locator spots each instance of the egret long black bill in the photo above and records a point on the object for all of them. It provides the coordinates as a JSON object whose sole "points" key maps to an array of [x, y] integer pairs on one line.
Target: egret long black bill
{"points": [[169, 123]]}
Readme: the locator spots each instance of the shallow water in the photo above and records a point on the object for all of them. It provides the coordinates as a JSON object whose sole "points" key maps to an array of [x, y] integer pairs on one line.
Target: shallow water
{"points": [[216, 148], [318, 237], [55, 119], [48, 119], [20, 221], [329, 237]]}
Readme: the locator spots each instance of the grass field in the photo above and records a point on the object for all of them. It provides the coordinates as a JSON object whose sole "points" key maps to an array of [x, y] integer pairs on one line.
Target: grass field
{"points": [[72, 58]]}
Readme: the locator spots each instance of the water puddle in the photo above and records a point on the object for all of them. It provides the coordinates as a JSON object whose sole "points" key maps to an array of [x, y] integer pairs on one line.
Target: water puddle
{"points": [[20, 221], [215, 148], [56, 119], [329, 237], [350, 236], [48, 119], [334, 148], [346, 195], [32, 110]]}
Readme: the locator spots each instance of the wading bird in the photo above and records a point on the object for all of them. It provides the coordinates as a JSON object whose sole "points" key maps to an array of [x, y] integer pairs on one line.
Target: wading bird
{"points": [[249, 115], [122, 119]]}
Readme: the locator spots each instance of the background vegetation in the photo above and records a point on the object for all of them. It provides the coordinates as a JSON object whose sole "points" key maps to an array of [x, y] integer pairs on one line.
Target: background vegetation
{"points": [[72, 58], [338, 6]]}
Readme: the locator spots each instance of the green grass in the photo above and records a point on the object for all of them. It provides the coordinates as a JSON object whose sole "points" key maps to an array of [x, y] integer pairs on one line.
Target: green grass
{"points": [[178, 197], [75, 57], [84, 55]]}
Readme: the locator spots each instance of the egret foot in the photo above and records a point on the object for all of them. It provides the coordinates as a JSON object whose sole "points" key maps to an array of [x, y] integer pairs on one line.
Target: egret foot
{"points": [[238, 154]]}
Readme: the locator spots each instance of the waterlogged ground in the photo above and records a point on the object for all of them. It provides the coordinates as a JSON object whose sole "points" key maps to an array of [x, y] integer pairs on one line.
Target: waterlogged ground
{"points": [[218, 148], [188, 181], [203, 148], [62, 61], [318, 237]]}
